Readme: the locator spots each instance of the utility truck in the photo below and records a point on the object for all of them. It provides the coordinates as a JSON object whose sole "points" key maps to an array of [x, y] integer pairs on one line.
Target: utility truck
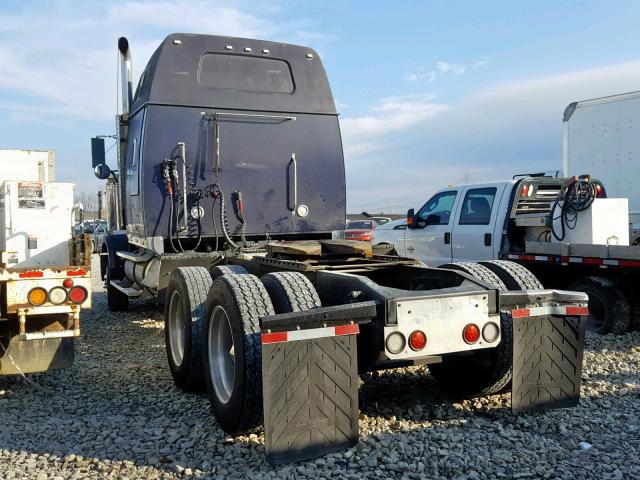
{"points": [[231, 189], [602, 137], [564, 230], [45, 271]]}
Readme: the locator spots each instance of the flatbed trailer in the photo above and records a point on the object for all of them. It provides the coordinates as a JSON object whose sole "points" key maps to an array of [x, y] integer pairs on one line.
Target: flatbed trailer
{"points": [[228, 214]]}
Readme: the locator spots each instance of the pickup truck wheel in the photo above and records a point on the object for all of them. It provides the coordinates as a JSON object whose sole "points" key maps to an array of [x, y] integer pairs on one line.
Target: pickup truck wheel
{"points": [[514, 275], [291, 292], [233, 351], [116, 300], [183, 325], [609, 307], [484, 372], [218, 271]]}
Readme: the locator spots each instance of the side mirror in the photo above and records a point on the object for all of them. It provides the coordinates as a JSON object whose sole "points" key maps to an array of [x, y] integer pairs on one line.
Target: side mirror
{"points": [[97, 152], [102, 171], [411, 215]]}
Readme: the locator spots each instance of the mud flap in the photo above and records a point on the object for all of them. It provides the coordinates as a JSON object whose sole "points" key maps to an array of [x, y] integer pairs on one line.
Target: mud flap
{"points": [[547, 361], [310, 390], [32, 356]]}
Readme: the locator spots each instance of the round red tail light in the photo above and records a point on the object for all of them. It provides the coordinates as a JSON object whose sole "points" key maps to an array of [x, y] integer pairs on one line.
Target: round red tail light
{"points": [[471, 333], [417, 340], [77, 294], [67, 283]]}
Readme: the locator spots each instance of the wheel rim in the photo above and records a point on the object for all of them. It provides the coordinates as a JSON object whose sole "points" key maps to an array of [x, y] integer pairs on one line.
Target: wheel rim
{"points": [[222, 360], [177, 331], [596, 320]]}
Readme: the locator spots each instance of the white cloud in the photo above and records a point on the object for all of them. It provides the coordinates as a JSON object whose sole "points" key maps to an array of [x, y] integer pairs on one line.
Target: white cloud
{"points": [[443, 68], [509, 128], [368, 133], [59, 58], [455, 68]]}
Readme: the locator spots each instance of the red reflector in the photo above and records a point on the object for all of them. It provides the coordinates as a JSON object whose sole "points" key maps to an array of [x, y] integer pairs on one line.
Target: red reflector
{"points": [[31, 274], [599, 192], [347, 329], [471, 333], [67, 283], [417, 340], [577, 310], [275, 337], [522, 312], [77, 294], [76, 273]]}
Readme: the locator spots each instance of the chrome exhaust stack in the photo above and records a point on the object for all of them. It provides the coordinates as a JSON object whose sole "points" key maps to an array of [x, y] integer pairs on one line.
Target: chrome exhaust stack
{"points": [[125, 75]]}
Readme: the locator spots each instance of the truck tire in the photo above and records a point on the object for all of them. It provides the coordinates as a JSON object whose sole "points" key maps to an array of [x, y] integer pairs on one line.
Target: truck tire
{"points": [[290, 292], [514, 275], [484, 372], [116, 300], [477, 271], [609, 307], [227, 270], [187, 292], [233, 351]]}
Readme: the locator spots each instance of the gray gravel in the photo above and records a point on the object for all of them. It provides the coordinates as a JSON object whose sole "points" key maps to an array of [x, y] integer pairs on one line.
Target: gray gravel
{"points": [[115, 414]]}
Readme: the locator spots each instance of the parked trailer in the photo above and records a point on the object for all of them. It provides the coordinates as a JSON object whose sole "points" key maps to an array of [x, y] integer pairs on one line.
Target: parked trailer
{"points": [[601, 137], [520, 220], [231, 180], [45, 273]]}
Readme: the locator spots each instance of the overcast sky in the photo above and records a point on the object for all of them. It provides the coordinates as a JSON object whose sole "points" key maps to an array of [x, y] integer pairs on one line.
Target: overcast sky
{"points": [[430, 93]]}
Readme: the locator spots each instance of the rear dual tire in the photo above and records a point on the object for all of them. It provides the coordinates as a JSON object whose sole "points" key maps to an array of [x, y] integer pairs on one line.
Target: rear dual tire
{"points": [[486, 371], [233, 348]]}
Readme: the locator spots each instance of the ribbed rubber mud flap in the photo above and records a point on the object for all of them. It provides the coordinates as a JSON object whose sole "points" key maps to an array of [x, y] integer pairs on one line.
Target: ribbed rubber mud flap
{"points": [[310, 390], [547, 362]]}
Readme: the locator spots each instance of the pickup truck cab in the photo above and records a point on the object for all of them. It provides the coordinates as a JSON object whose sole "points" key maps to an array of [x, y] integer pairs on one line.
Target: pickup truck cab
{"points": [[459, 223]]}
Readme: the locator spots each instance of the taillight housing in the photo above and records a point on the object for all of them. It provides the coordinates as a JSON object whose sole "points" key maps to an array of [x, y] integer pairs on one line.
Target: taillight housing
{"points": [[37, 296], [57, 295], [417, 340], [471, 333], [78, 294]]}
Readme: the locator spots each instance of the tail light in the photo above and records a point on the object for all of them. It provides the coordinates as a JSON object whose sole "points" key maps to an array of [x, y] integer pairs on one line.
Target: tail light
{"points": [[395, 342], [490, 332], [37, 296], [78, 294], [523, 190], [417, 340], [67, 283], [599, 191], [471, 333], [57, 295]]}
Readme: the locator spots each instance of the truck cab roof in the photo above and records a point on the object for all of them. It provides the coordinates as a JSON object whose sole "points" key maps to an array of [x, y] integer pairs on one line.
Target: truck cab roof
{"points": [[234, 73]]}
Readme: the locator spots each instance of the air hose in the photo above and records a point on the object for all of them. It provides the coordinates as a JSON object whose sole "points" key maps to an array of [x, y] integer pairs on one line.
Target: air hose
{"points": [[214, 191], [576, 196]]}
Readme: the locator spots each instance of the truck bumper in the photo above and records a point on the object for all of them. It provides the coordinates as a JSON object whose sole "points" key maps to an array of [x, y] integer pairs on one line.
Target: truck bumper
{"points": [[310, 373]]}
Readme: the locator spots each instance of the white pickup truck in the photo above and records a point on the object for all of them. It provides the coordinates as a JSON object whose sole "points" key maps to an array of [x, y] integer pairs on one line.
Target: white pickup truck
{"points": [[515, 220]]}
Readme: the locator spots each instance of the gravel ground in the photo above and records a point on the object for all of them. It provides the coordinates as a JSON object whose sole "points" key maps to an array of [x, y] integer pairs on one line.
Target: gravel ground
{"points": [[115, 414]]}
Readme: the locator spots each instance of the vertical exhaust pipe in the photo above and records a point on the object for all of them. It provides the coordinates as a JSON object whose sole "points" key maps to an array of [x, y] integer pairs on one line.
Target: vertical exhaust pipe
{"points": [[123, 125], [125, 75]]}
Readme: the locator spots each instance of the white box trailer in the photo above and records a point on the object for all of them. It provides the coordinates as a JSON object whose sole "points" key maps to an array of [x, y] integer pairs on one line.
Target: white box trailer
{"points": [[45, 272], [36, 165], [602, 138], [35, 223]]}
